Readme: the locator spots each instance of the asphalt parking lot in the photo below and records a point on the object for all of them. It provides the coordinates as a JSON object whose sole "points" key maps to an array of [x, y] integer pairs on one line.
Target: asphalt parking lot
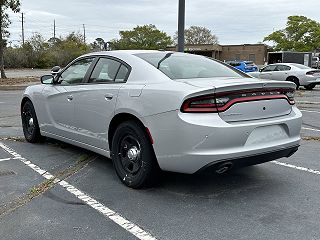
{"points": [[53, 190]]}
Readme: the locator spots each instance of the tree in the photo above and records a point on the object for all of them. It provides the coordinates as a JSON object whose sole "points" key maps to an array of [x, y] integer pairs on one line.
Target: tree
{"points": [[142, 37], [14, 5], [98, 44], [198, 35], [301, 34]]}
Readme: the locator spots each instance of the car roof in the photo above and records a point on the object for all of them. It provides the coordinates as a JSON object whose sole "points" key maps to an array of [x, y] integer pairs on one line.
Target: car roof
{"points": [[122, 52]]}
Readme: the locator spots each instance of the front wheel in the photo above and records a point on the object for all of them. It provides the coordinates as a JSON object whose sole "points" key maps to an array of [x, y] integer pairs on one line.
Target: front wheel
{"points": [[30, 124], [310, 86], [133, 156]]}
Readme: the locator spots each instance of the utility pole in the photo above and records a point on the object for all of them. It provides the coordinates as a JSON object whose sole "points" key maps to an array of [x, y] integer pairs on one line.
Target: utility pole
{"points": [[54, 30], [22, 27], [84, 33], [181, 25]]}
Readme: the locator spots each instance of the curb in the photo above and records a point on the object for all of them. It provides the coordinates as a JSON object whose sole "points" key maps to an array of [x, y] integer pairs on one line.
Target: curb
{"points": [[14, 87]]}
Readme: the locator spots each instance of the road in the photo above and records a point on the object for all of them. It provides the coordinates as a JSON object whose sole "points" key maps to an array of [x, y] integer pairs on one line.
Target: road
{"points": [[275, 200]]}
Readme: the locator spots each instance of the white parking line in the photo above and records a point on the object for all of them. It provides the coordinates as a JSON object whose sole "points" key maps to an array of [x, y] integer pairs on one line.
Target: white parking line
{"points": [[309, 170], [311, 129], [308, 102], [5, 159], [107, 212], [309, 111]]}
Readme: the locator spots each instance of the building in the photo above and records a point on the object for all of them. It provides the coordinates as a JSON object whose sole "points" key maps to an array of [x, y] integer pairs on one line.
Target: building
{"points": [[257, 53]]}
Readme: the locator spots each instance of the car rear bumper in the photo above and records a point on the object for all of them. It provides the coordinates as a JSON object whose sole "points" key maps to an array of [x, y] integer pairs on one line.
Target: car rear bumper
{"points": [[188, 142], [251, 160]]}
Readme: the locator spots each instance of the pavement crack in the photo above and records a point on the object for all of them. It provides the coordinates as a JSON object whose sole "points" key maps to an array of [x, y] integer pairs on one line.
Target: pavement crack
{"points": [[46, 185]]}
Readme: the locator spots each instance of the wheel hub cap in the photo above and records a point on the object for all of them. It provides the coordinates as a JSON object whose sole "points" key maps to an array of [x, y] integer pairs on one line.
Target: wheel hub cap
{"points": [[31, 123], [133, 153]]}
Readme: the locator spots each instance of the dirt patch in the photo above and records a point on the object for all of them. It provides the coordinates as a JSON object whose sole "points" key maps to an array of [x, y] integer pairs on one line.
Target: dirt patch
{"points": [[46, 185], [18, 81], [311, 138]]}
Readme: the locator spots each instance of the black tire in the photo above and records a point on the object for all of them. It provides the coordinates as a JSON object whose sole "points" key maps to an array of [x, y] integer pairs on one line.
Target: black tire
{"points": [[30, 124], [310, 86], [295, 81], [133, 156]]}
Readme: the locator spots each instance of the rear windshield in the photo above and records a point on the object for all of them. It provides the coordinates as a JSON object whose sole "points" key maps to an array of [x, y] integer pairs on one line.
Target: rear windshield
{"points": [[187, 66]]}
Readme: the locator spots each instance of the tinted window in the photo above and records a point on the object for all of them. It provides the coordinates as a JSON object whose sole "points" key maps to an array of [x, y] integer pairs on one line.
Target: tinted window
{"points": [[187, 66], [234, 64], [283, 68], [122, 74], [269, 68], [75, 73], [104, 71]]}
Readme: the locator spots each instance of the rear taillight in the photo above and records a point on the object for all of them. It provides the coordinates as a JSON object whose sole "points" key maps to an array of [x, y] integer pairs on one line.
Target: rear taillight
{"points": [[206, 103], [220, 102], [313, 73]]}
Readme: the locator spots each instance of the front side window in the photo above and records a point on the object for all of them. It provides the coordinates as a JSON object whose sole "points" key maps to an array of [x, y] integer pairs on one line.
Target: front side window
{"points": [[270, 68], [187, 66], [105, 71], [75, 73]]}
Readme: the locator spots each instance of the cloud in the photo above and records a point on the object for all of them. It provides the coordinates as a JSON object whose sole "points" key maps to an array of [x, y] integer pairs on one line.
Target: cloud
{"points": [[233, 21]]}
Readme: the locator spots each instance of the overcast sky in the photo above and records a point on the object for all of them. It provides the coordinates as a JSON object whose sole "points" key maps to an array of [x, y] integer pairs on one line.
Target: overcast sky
{"points": [[233, 21]]}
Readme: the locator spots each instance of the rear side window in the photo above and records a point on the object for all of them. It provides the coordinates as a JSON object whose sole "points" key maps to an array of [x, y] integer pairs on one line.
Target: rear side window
{"points": [[105, 71], [283, 68], [122, 74]]}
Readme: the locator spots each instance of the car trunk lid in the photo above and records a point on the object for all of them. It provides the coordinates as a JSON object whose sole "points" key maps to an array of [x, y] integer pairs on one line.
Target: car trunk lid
{"points": [[249, 99]]}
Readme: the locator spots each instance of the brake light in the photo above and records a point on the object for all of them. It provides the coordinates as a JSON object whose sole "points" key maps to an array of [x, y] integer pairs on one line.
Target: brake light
{"points": [[312, 73], [220, 102]]}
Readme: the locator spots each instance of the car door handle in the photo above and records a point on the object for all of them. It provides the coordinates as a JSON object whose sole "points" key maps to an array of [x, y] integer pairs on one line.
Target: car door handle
{"points": [[108, 97], [70, 98]]}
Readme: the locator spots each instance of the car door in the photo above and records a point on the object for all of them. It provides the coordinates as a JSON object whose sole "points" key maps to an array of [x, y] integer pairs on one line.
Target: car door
{"points": [[59, 99], [95, 106], [267, 72], [281, 72]]}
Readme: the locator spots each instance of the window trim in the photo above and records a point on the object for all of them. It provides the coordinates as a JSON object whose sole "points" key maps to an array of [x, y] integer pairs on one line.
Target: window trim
{"points": [[98, 57]]}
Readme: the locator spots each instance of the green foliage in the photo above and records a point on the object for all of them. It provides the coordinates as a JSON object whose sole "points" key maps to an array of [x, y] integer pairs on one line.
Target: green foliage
{"points": [[38, 53], [142, 37], [301, 34], [13, 5], [198, 35]]}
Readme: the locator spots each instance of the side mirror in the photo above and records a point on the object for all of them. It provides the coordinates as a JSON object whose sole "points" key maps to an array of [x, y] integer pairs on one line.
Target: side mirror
{"points": [[47, 79], [261, 69], [55, 70]]}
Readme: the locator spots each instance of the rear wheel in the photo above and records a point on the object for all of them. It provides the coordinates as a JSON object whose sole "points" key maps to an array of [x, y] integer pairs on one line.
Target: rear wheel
{"points": [[30, 124], [295, 81], [310, 86], [133, 156]]}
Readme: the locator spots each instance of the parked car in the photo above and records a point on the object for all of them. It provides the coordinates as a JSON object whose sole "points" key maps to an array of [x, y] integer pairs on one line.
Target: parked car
{"points": [[293, 72], [244, 66], [315, 62], [151, 110]]}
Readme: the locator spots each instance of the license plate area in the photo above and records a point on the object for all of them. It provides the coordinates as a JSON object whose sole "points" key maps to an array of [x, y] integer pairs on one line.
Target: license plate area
{"points": [[267, 134]]}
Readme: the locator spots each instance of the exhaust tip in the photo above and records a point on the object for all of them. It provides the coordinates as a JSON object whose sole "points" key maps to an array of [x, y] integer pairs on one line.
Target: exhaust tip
{"points": [[224, 167]]}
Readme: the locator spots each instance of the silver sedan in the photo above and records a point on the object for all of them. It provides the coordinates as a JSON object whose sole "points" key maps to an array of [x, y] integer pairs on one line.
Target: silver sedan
{"points": [[154, 110], [297, 73]]}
